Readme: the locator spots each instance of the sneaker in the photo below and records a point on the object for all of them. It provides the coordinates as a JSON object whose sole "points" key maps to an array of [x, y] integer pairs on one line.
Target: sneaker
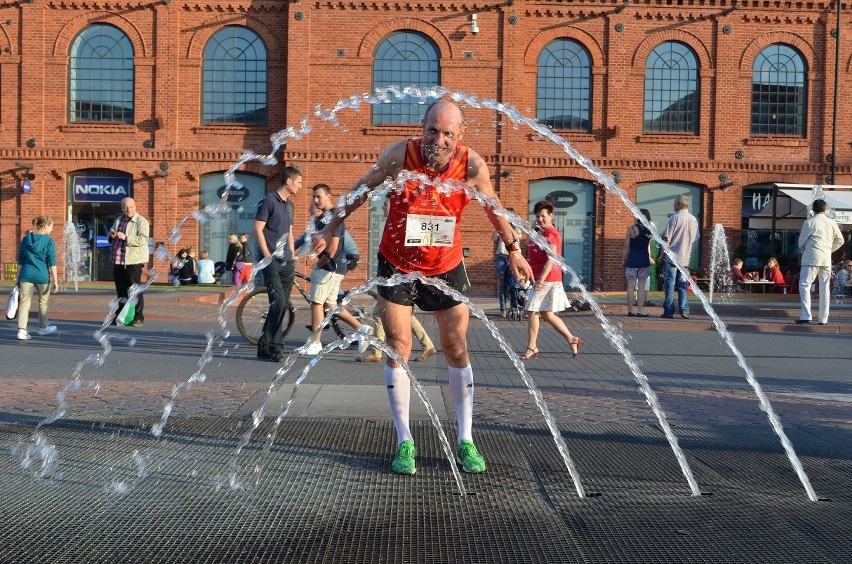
{"points": [[313, 349], [23, 335], [47, 330], [404, 461], [136, 323], [363, 345], [471, 461]]}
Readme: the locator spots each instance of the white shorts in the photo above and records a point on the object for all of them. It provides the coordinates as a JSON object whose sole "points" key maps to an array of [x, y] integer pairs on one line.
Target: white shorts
{"points": [[325, 286], [637, 273]]}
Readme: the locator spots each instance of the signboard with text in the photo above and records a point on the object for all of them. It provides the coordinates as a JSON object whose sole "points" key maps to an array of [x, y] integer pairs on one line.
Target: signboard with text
{"points": [[101, 188]]}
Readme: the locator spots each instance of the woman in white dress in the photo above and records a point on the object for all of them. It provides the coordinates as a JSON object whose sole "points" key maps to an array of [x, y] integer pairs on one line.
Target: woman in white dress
{"points": [[548, 297]]}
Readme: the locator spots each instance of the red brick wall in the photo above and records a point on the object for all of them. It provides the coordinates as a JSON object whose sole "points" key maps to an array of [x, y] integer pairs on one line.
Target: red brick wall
{"points": [[499, 62]]}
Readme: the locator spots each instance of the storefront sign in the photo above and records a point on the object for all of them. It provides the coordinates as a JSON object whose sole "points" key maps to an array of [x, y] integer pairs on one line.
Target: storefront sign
{"points": [[235, 194], [101, 189], [562, 198]]}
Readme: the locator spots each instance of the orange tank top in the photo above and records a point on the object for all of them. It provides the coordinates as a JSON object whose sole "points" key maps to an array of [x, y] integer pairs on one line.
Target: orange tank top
{"points": [[416, 198]]}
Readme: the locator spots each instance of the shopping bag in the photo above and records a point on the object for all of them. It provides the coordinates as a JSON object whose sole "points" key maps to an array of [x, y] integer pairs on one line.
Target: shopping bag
{"points": [[127, 314], [12, 304]]}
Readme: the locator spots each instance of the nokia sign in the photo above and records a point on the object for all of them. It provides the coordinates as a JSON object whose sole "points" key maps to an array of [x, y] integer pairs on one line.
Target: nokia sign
{"points": [[101, 189]]}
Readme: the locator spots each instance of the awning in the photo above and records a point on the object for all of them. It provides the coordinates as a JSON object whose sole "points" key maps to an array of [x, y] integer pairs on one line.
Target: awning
{"points": [[838, 198]]}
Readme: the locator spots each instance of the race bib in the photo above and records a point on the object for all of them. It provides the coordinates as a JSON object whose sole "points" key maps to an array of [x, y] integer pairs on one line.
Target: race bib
{"points": [[429, 230]]}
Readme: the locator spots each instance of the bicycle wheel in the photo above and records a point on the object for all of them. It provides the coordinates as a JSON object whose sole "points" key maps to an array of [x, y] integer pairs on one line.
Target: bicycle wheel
{"points": [[251, 315]]}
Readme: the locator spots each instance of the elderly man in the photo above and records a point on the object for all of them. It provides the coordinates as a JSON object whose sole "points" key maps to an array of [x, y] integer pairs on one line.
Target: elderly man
{"points": [[422, 235], [129, 238], [681, 234], [819, 237]]}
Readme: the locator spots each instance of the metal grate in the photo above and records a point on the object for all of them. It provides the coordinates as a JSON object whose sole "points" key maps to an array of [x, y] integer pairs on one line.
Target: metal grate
{"points": [[326, 495]]}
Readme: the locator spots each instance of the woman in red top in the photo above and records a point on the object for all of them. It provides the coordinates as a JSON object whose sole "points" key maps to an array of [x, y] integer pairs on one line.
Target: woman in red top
{"points": [[772, 272], [549, 296]]}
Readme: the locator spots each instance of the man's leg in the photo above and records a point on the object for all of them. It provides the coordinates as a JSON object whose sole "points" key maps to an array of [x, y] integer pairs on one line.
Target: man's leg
{"points": [[682, 296], [669, 273], [276, 276], [824, 277], [396, 320], [134, 276], [502, 264], [452, 327], [806, 278], [421, 334]]}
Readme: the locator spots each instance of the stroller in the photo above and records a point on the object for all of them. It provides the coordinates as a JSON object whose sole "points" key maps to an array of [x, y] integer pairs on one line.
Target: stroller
{"points": [[517, 298]]}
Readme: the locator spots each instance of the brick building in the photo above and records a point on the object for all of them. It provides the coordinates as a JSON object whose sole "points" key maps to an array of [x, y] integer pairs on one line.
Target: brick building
{"points": [[717, 99]]}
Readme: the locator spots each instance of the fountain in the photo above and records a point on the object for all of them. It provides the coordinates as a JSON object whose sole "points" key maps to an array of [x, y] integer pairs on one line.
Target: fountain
{"points": [[614, 335], [720, 262], [71, 243]]}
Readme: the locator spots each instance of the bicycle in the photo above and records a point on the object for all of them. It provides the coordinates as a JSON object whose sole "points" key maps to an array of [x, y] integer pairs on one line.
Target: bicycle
{"points": [[251, 313]]}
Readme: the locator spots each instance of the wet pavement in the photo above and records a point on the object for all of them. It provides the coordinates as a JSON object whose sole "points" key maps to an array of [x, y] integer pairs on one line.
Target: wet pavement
{"points": [[324, 492]]}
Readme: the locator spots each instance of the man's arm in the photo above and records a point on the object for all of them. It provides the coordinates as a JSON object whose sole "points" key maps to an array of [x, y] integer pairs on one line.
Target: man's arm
{"points": [[259, 225], [838, 239], [479, 177], [140, 238], [387, 165]]}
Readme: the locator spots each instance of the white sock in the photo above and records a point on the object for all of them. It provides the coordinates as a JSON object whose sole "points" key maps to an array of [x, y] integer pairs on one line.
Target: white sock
{"points": [[399, 395], [461, 386]]}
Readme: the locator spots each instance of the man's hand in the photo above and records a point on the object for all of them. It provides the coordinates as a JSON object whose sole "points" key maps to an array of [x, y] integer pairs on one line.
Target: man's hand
{"points": [[520, 267], [319, 244]]}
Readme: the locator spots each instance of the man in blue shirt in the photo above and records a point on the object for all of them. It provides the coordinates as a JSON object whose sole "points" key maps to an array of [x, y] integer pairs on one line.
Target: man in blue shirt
{"points": [[273, 231]]}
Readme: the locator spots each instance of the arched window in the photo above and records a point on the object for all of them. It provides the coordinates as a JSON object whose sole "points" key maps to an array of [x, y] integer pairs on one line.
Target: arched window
{"points": [[778, 92], [404, 58], [234, 82], [100, 76], [671, 90], [563, 86]]}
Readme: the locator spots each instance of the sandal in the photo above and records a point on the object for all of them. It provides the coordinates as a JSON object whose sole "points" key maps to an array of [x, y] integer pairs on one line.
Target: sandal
{"points": [[575, 343], [529, 354]]}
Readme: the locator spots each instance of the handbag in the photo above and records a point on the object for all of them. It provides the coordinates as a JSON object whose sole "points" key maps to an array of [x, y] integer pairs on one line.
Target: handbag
{"points": [[12, 304], [127, 314]]}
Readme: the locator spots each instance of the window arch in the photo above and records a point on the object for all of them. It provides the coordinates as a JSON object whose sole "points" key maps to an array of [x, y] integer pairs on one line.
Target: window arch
{"points": [[100, 76], [778, 92], [563, 86], [234, 81], [404, 58], [671, 90]]}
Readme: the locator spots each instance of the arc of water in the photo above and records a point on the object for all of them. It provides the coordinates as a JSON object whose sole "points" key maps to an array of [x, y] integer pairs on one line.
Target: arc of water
{"points": [[616, 338], [562, 447], [613, 188]]}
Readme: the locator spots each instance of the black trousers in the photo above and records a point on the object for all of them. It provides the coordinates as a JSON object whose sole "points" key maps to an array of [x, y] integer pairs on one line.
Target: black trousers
{"points": [[126, 276]]}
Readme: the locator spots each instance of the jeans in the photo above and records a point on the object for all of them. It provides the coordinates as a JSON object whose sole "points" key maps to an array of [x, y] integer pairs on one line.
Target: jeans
{"points": [[279, 281], [125, 276], [501, 262], [673, 278]]}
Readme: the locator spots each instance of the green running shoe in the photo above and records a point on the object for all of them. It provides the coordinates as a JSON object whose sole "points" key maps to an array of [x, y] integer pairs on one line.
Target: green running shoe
{"points": [[472, 462], [404, 461]]}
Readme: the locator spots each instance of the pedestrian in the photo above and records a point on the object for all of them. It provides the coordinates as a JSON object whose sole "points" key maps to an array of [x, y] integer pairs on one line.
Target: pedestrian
{"points": [[681, 234], [129, 237], [548, 297], [504, 273], [427, 220], [637, 264], [819, 237], [235, 249], [36, 271], [273, 231], [206, 269], [245, 261], [326, 276]]}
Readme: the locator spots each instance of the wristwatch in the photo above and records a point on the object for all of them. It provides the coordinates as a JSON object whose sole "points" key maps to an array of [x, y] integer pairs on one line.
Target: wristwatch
{"points": [[515, 245]]}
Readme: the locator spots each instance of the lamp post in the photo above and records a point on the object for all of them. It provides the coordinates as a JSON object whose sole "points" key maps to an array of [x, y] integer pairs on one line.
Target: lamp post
{"points": [[836, 80]]}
